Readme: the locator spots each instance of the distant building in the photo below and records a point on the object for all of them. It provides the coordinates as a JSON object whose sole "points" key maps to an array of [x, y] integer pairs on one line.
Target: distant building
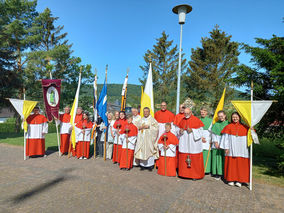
{"points": [[5, 113]]}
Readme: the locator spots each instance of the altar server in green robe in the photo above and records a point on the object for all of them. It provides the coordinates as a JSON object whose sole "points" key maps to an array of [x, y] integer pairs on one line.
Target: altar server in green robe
{"points": [[217, 158], [206, 139]]}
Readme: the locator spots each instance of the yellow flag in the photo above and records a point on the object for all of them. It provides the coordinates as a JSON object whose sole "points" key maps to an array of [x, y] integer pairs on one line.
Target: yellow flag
{"points": [[141, 96], [27, 109], [24, 108], [73, 113], [147, 99], [251, 113], [219, 107], [244, 109]]}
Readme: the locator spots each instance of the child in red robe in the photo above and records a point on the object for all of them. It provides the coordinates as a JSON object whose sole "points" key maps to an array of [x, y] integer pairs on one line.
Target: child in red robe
{"points": [[130, 133], [83, 136], [167, 145], [117, 145]]}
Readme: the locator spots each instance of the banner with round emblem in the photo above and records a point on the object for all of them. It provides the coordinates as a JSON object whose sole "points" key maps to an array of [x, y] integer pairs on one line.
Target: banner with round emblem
{"points": [[51, 97]]}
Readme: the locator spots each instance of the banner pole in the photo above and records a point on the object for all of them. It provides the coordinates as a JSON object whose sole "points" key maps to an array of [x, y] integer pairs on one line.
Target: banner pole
{"points": [[250, 174], [95, 142], [58, 142], [25, 157]]}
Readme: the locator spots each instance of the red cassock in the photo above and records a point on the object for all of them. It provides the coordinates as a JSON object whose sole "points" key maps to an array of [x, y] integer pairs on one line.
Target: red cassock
{"points": [[177, 120], [83, 144], [162, 117], [78, 118], [116, 155], [172, 142], [237, 163], [192, 147], [128, 149], [35, 144], [64, 132]]}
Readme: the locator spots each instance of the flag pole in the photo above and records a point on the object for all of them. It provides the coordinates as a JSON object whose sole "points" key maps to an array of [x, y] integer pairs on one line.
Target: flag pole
{"points": [[123, 98], [250, 174], [56, 125], [107, 127], [58, 142], [25, 157], [95, 119]]}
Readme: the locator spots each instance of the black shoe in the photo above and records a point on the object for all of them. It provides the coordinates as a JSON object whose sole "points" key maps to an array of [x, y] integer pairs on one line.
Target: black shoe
{"points": [[142, 168]]}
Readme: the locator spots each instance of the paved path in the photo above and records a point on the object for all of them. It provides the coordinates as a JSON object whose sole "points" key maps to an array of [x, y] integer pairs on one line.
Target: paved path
{"points": [[54, 184]]}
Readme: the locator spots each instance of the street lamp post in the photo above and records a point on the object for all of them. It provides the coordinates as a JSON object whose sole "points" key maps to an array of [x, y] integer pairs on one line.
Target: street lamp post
{"points": [[181, 10]]}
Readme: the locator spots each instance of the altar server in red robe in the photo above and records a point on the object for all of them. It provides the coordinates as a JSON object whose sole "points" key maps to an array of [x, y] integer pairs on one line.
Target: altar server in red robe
{"points": [[129, 138], [117, 144], [234, 142], [64, 121], [83, 131], [167, 145], [37, 128]]}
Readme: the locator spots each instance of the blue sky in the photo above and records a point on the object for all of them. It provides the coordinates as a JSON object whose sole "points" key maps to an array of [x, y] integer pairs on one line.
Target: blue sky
{"points": [[118, 32]]}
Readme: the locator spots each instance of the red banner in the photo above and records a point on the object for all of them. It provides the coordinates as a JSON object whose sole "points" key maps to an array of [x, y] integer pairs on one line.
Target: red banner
{"points": [[51, 97]]}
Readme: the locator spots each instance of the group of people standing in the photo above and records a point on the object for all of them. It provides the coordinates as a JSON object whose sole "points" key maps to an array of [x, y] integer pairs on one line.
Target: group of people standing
{"points": [[180, 144]]}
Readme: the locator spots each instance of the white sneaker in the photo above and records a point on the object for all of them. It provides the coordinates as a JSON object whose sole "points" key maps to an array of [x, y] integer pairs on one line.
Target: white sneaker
{"points": [[231, 184], [238, 184], [217, 178], [85, 158], [80, 158]]}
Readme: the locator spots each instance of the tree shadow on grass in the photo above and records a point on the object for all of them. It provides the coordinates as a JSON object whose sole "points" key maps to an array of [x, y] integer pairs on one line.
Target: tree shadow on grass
{"points": [[42, 187], [269, 166], [51, 149], [11, 135]]}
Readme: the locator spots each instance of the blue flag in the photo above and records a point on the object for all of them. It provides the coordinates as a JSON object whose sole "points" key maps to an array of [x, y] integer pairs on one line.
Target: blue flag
{"points": [[102, 104]]}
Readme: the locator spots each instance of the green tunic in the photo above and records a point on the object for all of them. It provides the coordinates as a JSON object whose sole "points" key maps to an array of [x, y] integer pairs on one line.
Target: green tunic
{"points": [[218, 156], [207, 122]]}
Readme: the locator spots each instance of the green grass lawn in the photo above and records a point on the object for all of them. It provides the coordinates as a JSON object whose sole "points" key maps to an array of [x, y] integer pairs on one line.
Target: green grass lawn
{"points": [[264, 169], [18, 139]]}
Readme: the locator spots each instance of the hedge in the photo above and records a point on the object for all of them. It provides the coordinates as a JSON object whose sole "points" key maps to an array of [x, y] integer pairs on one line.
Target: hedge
{"points": [[10, 128]]}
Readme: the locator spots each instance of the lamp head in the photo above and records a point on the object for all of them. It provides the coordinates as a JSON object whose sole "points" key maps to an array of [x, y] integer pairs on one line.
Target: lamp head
{"points": [[182, 10]]}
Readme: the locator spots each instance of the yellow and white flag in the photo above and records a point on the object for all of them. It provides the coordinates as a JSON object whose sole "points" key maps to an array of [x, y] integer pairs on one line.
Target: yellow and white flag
{"points": [[123, 94], [24, 108], [147, 99], [219, 107], [251, 113], [73, 112]]}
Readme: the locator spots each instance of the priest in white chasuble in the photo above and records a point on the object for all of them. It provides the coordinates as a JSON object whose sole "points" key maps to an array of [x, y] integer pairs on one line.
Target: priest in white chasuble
{"points": [[146, 150]]}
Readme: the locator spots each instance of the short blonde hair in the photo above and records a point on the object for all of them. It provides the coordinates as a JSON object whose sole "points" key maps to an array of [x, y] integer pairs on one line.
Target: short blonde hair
{"points": [[112, 116]]}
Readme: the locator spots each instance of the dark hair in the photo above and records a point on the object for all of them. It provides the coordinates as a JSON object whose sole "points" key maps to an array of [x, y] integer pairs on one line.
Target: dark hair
{"points": [[168, 124], [86, 113], [36, 107], [129, 116], [123, 113], [221, 111], [146, 108], [235, 113]]}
